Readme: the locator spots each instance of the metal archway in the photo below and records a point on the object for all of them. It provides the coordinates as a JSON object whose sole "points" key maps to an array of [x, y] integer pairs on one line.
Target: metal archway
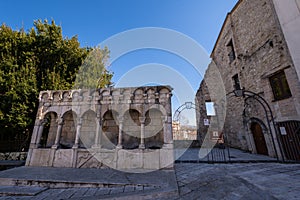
{"points": [[223, 155], [247, 95], [178, 132], [186, 105]]}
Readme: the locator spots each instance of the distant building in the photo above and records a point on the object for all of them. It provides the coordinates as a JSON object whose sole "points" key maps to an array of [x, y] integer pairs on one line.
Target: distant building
{"points": [[176, 130], [258, 50], [183, 132]]}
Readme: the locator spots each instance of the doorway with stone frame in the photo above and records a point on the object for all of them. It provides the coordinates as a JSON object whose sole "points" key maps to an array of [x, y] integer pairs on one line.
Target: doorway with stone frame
{"points": [[259, 139]]}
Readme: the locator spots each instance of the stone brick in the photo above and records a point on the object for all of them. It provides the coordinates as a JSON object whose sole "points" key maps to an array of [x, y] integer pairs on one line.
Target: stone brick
{"points": [[260, 51]]}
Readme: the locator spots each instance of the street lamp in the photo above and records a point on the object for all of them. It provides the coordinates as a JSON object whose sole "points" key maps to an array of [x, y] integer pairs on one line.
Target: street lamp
{"points": [[239, 92]]}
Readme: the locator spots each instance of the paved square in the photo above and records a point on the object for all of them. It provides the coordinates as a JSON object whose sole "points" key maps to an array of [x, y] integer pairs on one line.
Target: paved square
{"points": [[194, 181]]}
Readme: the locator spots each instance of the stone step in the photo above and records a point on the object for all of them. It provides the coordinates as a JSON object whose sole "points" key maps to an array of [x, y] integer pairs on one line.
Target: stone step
{"points": [[73, 177], [64, 184], [12, 162], [137, 194], [21, 190], [102, 183]]}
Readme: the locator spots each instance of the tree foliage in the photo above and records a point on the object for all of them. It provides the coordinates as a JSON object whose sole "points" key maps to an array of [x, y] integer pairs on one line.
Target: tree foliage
{"points": [[39, 59], [93, 73]]}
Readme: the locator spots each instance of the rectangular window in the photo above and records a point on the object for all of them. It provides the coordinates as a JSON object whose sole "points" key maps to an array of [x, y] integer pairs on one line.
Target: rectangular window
{"points": [[231, 54], [236, 82], [280, 86], [210, 109]]}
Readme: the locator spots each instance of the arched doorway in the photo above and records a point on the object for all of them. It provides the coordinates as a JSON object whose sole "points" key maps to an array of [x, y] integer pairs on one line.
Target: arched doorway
{"points": [[259, 139]]}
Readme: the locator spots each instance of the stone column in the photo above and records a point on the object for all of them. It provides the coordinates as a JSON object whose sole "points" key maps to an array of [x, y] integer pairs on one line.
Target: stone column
{"points": [[35, 134], [142, 121], [33, 144], [98, 134], [40, 132], [169, 130], [167, 127], [120, 145], [58, 133], [78, 129]]}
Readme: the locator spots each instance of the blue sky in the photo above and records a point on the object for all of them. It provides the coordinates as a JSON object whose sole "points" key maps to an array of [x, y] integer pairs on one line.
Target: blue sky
{"points": [[95, 21]]}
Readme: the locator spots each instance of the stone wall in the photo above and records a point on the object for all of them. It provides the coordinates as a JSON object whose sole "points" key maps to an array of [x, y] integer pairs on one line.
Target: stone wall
{"points": [[260, 51], [13, 156], [288, 13], [210, 127]]}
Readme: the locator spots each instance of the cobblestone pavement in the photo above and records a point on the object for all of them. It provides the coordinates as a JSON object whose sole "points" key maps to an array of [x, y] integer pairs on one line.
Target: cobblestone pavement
{"points": [[235, 155], [202, 181], [238, 181], [81, 193]]}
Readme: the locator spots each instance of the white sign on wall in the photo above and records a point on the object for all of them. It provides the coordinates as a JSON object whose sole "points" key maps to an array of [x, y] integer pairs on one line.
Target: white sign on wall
{"points": [[215, 134], [283, 131], [206, 122]]}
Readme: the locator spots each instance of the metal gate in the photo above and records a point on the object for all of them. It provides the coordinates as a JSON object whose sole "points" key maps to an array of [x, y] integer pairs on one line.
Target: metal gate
{"points": [[290, 139], [209, 152], [219, 155]]}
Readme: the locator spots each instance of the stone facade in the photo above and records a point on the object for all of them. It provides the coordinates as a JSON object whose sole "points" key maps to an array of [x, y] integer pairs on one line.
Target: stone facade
{"points": [[211, 90], [288, 13], [121, 128], [250, 50]]}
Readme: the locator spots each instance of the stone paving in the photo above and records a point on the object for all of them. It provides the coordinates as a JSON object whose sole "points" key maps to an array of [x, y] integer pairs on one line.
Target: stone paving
{"points": [[82, 193], [201, 181], [238, 181], [230, 155], [262, 180], [72, 183]]}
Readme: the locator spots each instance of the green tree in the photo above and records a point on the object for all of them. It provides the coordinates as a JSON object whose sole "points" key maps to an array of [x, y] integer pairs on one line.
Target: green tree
{"points": [[40, 59], [18, 89], [58, 58], [93, 73]]}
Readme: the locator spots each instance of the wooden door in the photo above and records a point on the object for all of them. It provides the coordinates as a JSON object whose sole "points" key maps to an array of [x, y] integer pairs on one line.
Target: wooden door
{"points": [[259, 139]]}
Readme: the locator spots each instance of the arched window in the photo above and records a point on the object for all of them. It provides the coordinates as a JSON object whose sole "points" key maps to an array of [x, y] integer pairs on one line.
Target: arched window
{"points": [[50, 129], [68, 133], [131, 129], [110, 130], [154, 132], [88, 129]]}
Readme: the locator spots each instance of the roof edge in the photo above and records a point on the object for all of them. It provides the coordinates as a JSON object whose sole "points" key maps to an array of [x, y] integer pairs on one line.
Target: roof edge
{"points": [[226, 18]]}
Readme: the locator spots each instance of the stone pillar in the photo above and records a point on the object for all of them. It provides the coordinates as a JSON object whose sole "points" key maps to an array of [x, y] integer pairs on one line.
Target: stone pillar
{"points": [[142, 121], [98, 134], [120, 145], [78, 129], [169, 130], [58, 133], [33, 144], [35, 134], [40, 132], [167, 127]]}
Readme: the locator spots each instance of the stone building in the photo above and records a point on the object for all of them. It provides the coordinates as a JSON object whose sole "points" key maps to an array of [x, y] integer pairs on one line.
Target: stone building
{"points": [[120, 128], [258, 51]]}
